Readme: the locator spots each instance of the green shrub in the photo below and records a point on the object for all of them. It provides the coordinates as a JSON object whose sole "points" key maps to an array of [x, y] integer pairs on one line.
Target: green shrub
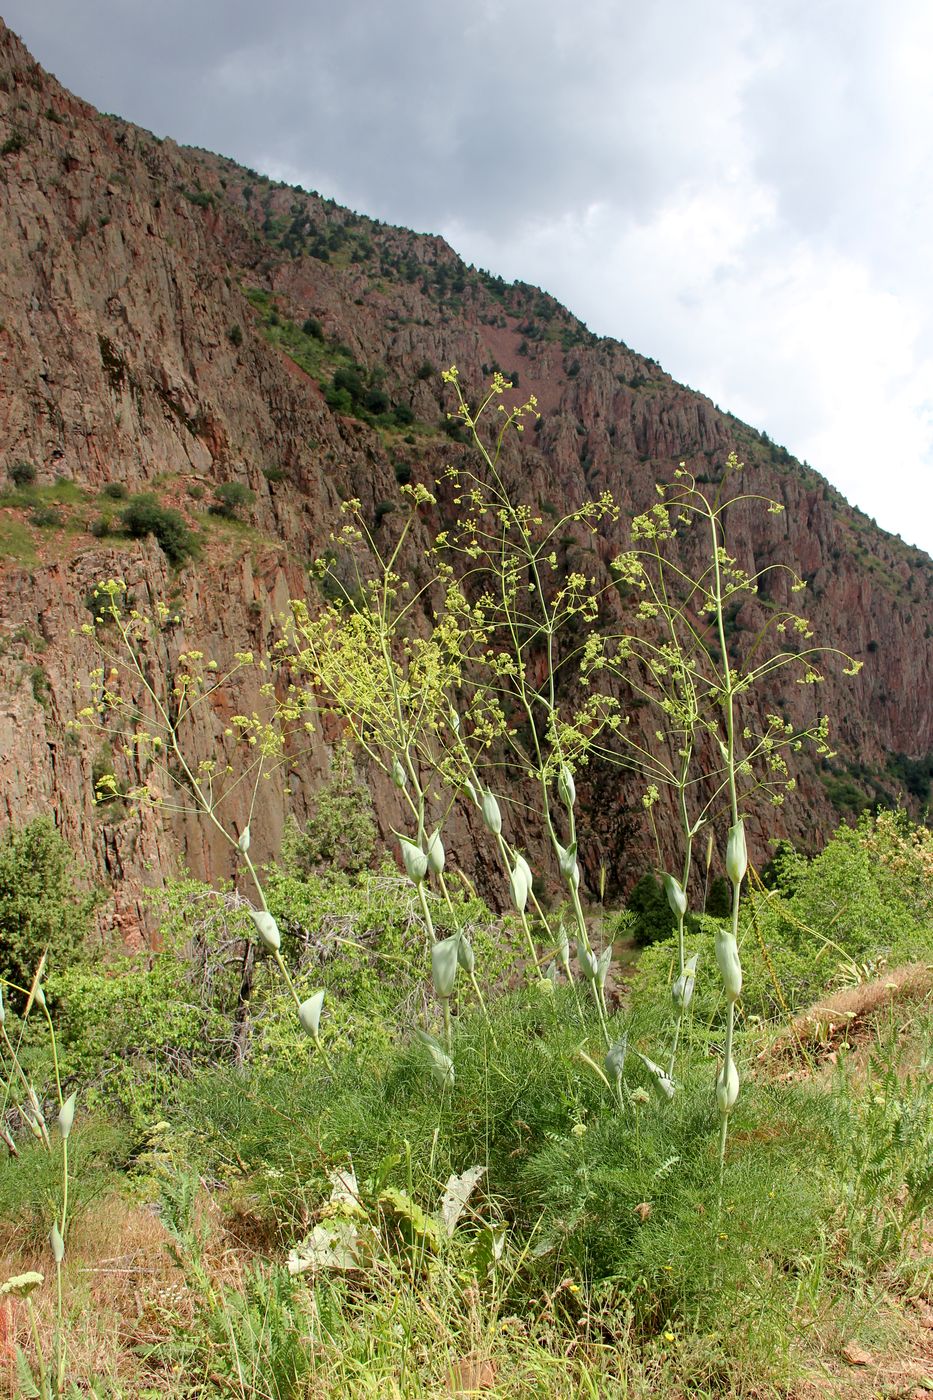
{"points": [[235, 336], [115, 491], [13, 144], [865, 902], [719, 898], [129, 1033], [145, 516], [384, 1097], [39, 684], [22, 475], [348, 378], [566, 1169], [653, 917], [339, 400], [46, 518], [230, 497], [357, 937]]}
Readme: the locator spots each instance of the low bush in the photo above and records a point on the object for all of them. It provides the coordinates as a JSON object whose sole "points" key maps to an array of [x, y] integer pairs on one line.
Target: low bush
{"points": [[341, 833], [864, 903], [130, 1032], [230, 497], [145, 516], [22, 475], [46, 518]]}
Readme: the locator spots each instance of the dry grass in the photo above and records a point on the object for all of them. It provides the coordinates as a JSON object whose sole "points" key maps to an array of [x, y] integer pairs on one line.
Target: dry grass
{"points": [[849, 1016], [118, 1279], [899, 1364]]}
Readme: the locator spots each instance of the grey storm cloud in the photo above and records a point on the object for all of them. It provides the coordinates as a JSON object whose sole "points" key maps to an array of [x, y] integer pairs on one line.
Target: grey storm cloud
{"points": [[423, 110], [426, 113], [740, 191]]}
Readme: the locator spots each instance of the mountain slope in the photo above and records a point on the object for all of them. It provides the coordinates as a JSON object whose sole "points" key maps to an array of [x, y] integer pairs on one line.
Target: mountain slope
{"points": [[171, 321]]}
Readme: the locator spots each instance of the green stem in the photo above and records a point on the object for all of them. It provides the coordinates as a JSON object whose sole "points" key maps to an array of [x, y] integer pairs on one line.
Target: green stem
{"points": [[479, 997], [252, 870], [280, 964], [445, 892], [601, 1012], [60, 1349], [531, 945], [727, 1052], [59, 1343], [448, 1031], [576, 997], [724, 1117], [37, 1342], [323, 1054], [426, 911], [677, 1026], [680, 942], [728, 708]]}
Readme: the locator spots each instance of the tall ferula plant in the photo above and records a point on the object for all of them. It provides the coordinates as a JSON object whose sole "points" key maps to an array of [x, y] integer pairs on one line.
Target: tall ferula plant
{"points": [[545, 643], [686, 667], [151, 719], [388, 659]]}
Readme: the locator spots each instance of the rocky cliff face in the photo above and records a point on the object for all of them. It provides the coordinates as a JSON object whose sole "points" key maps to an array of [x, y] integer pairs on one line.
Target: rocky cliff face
{"points": [[171, 321]]}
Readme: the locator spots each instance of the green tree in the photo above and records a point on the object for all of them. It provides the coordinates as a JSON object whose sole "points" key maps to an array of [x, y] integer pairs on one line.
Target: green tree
{"points": [[42, 905], [22, 475], [719, 899], [341, 835], [648, 903]]}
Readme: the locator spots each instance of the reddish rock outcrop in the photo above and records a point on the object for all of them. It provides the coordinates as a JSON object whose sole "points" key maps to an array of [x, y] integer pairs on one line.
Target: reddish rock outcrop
{"points": [[131, 352]]}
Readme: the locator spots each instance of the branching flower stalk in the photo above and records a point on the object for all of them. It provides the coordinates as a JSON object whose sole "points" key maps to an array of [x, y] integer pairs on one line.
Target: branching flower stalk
{"points": [[698, 691], [154, 737], [509, 567], [392, 687], [727, 948]]}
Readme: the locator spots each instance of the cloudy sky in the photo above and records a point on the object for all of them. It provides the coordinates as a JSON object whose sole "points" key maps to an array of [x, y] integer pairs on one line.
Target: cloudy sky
{"points": [[743, 191]]}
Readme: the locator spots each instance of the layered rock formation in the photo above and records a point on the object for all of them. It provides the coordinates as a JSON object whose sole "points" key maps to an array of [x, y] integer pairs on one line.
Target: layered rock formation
{"points": [[171, 321]]}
